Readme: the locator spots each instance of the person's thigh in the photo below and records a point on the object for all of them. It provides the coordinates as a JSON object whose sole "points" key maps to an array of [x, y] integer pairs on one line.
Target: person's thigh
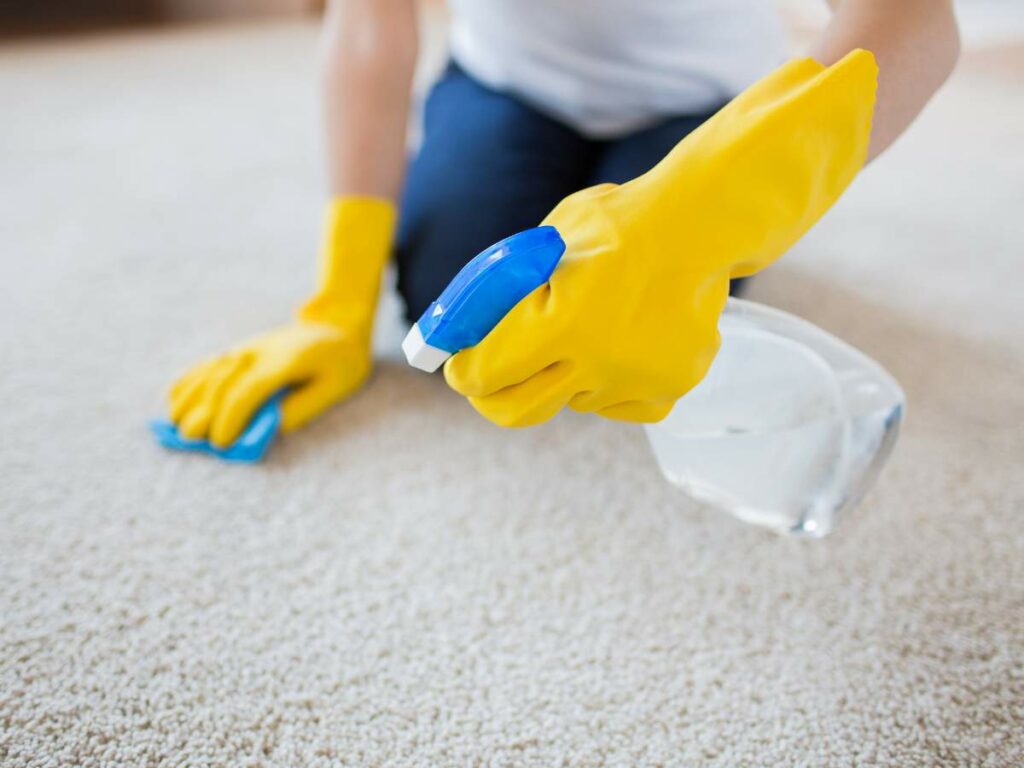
{"points": [[626, 158], [489, 166]]}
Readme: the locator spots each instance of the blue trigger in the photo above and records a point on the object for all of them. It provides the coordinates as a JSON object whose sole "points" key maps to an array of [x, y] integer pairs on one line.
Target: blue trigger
{"points": [[489, 286]]}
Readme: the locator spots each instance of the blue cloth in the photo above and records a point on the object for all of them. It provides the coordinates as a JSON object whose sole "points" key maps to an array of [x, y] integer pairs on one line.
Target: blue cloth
{"points": [[490, 166], [250, 446]]}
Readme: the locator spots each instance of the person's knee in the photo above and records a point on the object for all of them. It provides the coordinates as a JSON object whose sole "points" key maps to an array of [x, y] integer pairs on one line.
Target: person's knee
{"points": [[424, 267]]}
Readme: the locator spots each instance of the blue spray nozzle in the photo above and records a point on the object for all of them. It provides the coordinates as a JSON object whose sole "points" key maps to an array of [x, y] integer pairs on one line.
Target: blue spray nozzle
{"points": [[481, 294]]}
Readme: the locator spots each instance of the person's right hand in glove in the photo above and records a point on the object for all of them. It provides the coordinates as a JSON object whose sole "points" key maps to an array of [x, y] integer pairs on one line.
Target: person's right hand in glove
{"points": [[322, 357], [629, 321]]}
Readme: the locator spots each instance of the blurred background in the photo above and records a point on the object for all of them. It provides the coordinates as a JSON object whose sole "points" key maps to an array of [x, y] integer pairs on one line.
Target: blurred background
{"points": [[983, 22], [24, 18]]}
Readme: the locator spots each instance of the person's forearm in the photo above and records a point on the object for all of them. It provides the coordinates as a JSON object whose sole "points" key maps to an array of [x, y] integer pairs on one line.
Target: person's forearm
{"points": [[369, 57], [916, 45]]}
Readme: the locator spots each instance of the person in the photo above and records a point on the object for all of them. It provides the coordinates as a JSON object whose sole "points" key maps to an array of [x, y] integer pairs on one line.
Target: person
{"points": [[606, 117]]}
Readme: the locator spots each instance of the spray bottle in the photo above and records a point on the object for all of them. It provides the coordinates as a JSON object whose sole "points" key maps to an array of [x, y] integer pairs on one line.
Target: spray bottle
{"points": [[788, 430]]}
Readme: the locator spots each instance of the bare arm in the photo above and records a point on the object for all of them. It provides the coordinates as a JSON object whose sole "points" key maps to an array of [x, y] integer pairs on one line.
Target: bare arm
{"points": [[369, 57], [916, 45]]}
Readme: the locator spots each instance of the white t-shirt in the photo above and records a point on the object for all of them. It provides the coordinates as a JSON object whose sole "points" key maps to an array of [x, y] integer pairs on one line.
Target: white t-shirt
{"points": [[608, 67]]}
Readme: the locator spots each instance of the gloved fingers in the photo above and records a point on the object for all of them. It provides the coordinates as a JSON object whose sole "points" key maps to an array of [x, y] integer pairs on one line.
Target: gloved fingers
{"points": [[531, 402], [195, 422], [240, 401], [594, 400], [307, 402], [188, 387], [639, 411], [518, 348], [188, 377]]}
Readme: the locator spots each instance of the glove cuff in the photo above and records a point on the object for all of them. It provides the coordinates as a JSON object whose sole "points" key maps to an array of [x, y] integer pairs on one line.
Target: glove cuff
{"points": [[774, 159], [356, 245]]}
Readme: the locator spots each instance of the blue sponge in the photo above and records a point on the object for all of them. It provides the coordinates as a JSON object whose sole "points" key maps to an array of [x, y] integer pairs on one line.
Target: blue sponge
{"points": [[250, 446]]}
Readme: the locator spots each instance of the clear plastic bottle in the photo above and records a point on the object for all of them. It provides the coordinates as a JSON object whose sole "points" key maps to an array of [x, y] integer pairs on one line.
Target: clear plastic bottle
{"points": [[788, 429]]}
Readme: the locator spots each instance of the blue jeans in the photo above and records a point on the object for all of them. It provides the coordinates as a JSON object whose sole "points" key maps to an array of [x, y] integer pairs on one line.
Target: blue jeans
{"points": [[490, 166]]}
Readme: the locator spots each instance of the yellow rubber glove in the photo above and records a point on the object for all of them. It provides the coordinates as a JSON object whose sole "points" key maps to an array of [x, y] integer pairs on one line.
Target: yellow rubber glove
{"points": [[324, 355], [629, 320]]}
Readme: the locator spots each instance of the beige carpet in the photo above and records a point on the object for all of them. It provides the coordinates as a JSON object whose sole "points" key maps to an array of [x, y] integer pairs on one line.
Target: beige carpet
{"points": [[402, 584]]}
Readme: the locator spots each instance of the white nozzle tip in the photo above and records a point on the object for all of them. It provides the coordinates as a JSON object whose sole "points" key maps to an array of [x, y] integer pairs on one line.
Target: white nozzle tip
{"points": [[420, 354]]}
